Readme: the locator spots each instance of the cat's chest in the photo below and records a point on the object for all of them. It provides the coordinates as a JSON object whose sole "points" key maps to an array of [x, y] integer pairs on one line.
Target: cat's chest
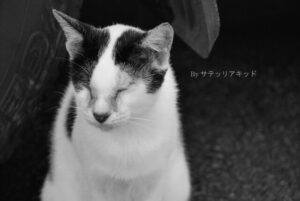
{"points": [[125, 158], [112, 189]]}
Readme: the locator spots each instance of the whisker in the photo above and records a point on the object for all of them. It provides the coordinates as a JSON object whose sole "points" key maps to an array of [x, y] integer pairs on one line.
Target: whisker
{"points": [[81, 67], [141, 125], [59, 93], [142, 119], [78, 52]]}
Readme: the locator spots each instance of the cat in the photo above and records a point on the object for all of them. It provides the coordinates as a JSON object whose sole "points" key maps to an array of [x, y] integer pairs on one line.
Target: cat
{"points": [[117, 133]]}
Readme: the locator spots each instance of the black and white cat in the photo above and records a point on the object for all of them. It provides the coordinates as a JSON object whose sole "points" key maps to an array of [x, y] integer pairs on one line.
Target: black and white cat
{"points": [[117, 134]]}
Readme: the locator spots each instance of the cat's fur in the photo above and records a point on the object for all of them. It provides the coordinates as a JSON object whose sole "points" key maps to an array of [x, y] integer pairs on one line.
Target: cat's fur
{"points": [[136, 153]]}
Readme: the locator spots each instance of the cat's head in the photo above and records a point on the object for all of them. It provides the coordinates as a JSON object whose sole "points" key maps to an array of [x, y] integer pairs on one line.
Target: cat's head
{"points": [[117, 71]]}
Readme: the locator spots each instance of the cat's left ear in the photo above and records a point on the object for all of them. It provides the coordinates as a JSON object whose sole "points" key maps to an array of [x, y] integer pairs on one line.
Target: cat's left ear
{"points": [[160, 38], [74, 31]]}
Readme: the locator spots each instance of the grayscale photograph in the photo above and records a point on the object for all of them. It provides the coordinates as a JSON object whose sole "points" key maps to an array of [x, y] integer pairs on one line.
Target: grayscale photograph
{"points": [[149, 100]]}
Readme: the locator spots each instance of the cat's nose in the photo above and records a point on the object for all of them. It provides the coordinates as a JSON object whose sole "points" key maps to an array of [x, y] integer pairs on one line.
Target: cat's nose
{"points": [[102, 117]]}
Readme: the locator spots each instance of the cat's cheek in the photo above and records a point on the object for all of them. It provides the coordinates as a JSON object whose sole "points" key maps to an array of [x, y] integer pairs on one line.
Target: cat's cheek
{"points": [[147, 102], [142, 104], [83, 98], [130, 102], [136, 95], [123, 103]]}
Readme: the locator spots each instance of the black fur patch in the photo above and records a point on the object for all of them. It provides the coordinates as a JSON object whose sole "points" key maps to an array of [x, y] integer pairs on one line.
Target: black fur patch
{"points": [[83, 63], [128, 52], [137, 60], [157, 78], [71, 117]]}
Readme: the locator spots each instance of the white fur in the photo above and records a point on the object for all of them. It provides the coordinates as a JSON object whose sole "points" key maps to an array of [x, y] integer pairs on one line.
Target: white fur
{"points": [[134, 161]]}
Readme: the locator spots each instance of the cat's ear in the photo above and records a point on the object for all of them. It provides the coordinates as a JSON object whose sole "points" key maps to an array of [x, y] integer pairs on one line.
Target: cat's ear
{"points": [[160, 38], [73, 30]]}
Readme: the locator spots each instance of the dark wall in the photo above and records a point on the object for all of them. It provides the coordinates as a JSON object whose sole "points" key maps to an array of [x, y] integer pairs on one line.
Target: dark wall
{"points": [[32, 60], [237, 16], [144, 14], [256, 16]]}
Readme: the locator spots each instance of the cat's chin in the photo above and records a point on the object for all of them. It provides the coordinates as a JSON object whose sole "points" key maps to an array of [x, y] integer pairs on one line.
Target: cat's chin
{"points": [[107, 126]]}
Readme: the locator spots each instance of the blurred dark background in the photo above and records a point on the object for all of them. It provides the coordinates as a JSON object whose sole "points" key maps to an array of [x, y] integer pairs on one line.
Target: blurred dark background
{"points": [[242, 134]]}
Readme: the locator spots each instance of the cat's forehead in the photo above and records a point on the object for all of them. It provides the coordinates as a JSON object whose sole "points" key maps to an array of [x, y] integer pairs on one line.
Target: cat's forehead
{"points": [[107, 72], [117, 30]]}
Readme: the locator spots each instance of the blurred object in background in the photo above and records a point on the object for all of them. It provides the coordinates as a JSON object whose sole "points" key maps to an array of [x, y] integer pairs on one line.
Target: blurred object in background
{"points": [[30, 42], [197, 23]]}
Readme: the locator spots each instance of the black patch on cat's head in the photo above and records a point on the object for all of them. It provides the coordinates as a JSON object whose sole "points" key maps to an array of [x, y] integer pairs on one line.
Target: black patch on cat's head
{"points": [[157, 78], [137, 60], [128, 52], [70, 118], [83, 63]]}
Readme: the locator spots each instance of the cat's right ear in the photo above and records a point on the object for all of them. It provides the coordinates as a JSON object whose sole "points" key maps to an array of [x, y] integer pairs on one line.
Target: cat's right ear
{"points": [[73, 30]]}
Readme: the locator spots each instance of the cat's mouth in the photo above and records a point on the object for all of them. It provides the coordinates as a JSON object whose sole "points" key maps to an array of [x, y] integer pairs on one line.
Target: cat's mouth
{"points": [[110, 124], [105, 127]]}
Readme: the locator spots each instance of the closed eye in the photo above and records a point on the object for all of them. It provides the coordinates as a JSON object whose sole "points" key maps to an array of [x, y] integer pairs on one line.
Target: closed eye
{"points": [[123, 89], [120, 91]]}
